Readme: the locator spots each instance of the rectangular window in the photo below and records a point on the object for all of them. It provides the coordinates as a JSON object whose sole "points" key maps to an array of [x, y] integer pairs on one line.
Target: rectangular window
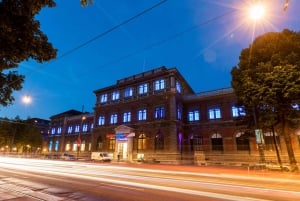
{"points": [[194, 115], [113, 119], [159, 112], [103, 98], [112, 143], [101, 120], [142, 114], [128, 92], [179, 114], [143, 88], [159, 84], [59, 130], [77, 127], [126, 117], [238, 111], [70, 128], [214, 113], [85, 127], [178, 87], [115, 95]]}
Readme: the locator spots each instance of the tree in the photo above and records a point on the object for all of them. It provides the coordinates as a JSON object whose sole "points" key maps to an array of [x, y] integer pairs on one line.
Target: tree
{"points": [[20, 39], [86, 2], [267, 81]]}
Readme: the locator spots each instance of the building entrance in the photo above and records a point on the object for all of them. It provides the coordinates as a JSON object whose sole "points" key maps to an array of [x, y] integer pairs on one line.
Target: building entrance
{"points": [[122, 150]]}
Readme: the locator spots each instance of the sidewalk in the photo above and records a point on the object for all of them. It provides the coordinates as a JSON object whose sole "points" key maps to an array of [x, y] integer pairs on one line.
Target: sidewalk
{"points": [[230, 170]]}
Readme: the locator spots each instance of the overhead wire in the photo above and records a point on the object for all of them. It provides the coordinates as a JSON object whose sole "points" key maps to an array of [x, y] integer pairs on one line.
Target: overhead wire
{"points": [[172, 37], [100, 35]]}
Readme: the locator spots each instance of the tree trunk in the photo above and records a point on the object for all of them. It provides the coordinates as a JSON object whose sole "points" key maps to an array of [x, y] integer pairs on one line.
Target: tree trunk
{"points": [[289, 147]]}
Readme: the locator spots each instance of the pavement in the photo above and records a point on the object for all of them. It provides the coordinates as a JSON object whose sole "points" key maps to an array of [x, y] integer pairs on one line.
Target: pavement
{"points": [[234, 170]]}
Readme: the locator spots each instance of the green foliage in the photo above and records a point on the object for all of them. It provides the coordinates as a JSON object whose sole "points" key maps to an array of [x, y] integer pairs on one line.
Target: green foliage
{"points": [[20, 39], [267, 80], [20, 133]]}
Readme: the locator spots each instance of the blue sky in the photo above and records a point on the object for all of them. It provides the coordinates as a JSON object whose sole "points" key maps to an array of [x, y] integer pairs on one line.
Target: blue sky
{"points": [[201, 38]]}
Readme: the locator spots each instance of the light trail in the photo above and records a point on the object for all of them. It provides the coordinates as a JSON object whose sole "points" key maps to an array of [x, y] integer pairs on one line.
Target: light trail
{"points": [[109, 174]]}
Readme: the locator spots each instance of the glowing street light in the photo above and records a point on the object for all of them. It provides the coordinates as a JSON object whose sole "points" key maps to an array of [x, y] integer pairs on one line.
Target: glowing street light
{"points": [[257, 11], [27, 99]]}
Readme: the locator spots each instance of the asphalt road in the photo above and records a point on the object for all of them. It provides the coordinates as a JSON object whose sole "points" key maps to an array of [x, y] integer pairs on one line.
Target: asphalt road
{"points": [[34, 179]]}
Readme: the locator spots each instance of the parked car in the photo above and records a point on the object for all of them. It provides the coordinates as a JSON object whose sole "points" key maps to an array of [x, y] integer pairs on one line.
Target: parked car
{"points": [[67, 156], [101, 156]]}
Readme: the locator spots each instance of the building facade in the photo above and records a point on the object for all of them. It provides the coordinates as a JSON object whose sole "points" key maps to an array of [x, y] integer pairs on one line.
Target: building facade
{"points": [[156, 116]]}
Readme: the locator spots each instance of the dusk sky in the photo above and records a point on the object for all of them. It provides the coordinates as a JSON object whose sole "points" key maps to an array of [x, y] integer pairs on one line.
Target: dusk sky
{"points": [[107, 41]]}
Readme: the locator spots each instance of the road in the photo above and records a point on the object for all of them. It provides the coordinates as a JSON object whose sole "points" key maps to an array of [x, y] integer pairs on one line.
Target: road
{"points": [[54, 180]]}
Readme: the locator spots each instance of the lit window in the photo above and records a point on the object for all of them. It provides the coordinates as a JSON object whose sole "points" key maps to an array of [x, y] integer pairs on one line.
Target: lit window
{"points": [[56, 145], [296, 106], [126, 117], [113, 119], [159, 113], [128, 92], [115, 95], [143, 88], [84, 127], [53, 131], [142, 114], [70, 128], [214, 113], [77, 127], [179, 113], [59, 130], [159, 84], [68, 147], [238, 111], [50, 145], [194, 115], [178, 87], [103, 98], [142, 142], [101, 120]]}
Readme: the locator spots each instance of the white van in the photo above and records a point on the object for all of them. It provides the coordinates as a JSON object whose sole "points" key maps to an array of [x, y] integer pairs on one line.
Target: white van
{"points": [[101, 156]]}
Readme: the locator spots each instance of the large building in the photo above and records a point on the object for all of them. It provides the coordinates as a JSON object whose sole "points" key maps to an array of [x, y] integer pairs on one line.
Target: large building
{"points": [[156, 116]]}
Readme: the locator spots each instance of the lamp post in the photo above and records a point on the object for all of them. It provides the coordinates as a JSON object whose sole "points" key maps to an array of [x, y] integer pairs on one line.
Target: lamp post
{"points": [[79, 137]]}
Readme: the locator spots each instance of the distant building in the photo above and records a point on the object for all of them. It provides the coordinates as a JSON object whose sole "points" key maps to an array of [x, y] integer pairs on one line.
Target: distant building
{"points": [[156, 116]]}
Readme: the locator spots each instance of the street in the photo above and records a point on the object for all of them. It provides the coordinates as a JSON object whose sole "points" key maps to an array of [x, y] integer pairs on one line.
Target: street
{"points": [[38, 179]]}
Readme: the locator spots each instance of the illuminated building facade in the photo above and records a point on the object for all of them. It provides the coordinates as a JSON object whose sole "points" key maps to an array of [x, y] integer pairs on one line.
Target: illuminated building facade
{"points": [[156, 116]]}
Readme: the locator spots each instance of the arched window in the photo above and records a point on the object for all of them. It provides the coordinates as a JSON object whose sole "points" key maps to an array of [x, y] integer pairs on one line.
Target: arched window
{"points": [[56, 145], [142, 141], [74, 148], [242, 141], [82, 146], [196, 142], [159, 141], [112, 143], [68, 146], [271, 141], [217, 142], [50, 145]]}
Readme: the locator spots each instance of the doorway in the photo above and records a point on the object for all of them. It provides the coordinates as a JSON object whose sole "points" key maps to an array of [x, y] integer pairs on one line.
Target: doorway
{"points": [[122, 150]]}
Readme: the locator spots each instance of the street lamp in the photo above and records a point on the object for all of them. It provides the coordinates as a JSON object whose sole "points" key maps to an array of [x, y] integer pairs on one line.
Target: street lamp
{"points": [[26, 99], [256, 12], [79, 137]]}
